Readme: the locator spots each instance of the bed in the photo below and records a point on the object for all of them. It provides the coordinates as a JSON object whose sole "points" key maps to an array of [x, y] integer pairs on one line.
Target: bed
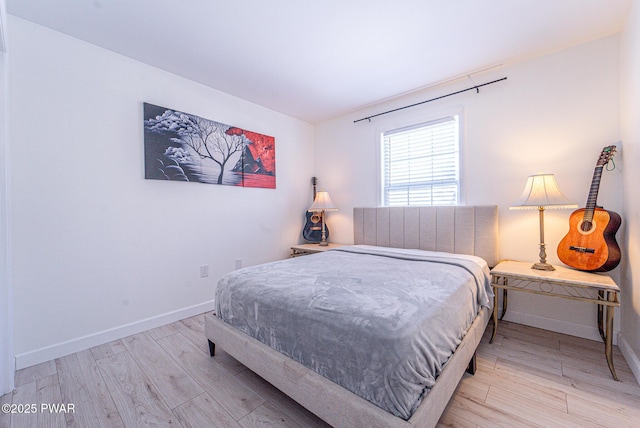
{"points": [[324, 283]]}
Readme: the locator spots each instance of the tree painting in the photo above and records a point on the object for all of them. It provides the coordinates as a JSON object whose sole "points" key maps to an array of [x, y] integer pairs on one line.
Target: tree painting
{"points": [[184, 147]]}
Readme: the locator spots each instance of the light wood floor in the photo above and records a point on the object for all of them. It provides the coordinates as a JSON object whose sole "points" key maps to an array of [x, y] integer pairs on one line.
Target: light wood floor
{"points": [[165, 377]]}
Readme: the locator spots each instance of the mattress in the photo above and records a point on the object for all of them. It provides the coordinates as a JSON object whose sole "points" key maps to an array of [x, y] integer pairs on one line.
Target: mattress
{"points": [[380, 322]]}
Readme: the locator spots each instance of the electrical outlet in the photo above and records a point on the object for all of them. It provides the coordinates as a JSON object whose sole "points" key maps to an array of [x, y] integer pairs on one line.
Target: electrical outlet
{"points": [[204, 271], [238, 263]]}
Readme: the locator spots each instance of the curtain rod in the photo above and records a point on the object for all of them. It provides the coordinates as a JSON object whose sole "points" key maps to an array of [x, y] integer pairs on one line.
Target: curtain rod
{"points": [[476, 87]]}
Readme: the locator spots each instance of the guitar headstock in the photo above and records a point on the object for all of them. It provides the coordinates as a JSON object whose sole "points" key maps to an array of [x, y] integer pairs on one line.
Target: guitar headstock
{"points": [[606, 155]]}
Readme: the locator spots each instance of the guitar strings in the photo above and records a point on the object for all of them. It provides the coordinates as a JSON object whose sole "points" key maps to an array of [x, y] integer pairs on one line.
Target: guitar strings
{"points": [[609, 166]]}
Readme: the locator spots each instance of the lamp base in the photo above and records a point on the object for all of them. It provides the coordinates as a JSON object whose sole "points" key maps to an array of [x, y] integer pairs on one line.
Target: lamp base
{"points": [[542, 266], [323, 243]]}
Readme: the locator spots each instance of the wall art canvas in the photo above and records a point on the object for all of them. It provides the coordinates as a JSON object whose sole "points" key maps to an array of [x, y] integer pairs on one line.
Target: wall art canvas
{"points": [[183, 147]]}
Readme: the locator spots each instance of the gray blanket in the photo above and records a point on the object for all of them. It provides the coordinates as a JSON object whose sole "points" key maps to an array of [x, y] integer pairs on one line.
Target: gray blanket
{"points": [[380, 322]]}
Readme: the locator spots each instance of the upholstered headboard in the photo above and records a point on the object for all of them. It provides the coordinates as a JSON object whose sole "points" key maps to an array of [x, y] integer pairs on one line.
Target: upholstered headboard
{"points": [[453, 229]]}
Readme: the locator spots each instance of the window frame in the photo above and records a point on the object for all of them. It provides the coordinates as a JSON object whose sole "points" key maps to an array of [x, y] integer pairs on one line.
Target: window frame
{"points": [[431, 119]]}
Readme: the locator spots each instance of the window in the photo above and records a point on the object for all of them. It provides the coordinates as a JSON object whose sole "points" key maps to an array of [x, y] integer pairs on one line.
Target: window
{"points": [[420, 164]]}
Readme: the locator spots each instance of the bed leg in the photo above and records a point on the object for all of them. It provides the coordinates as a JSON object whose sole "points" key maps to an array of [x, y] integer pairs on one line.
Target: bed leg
{"points": [[212, 348], [471, 369]]}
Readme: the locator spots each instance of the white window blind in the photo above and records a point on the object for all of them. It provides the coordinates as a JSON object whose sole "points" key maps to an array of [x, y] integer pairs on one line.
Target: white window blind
{"points": [[421, 164]]}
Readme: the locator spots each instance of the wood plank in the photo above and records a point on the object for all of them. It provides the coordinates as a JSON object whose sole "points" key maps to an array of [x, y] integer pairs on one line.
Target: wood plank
{"points": [[622, 394], [74, 389], [583, 351], [468, 389], [162, 331], [204, 411], [530, 411], [473, 388], [277, 398], [604, 412], [470, 411], [268, 415], [485, 360], [220, 384], [524, 358], [5, 417], [49, 399], [81, 383], [171, 381], [103, 405], [107, 349], [25, 394], [228, 362], [451, 419], [193, 329], [541, 395], [596, 374], [535, 338], [468, 401], [33, 373], [135, 397]]}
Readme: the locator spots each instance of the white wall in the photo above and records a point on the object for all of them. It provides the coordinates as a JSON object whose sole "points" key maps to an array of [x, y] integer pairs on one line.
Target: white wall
{"points": [[98, 252], [630, 123], [554, 114]]}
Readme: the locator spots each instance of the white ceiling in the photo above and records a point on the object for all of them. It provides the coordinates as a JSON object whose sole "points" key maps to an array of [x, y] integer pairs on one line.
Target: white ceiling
{"points": [[317, 59]]}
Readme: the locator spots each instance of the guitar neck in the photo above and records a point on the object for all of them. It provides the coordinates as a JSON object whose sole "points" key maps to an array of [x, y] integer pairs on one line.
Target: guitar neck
{"points": [[314, 182], [593, 193]]}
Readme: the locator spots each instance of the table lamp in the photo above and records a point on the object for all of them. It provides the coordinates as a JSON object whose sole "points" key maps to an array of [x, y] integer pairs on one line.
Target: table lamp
{"points": [[540, 192], [321, 204]]}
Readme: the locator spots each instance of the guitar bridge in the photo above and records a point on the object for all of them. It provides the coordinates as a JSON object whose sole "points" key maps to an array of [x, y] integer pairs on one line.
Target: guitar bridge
{"points": [[582, 249]]}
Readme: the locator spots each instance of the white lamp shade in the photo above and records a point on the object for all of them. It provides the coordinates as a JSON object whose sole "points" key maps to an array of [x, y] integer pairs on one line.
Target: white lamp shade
{"points": [[542, 190], [322, 202]]}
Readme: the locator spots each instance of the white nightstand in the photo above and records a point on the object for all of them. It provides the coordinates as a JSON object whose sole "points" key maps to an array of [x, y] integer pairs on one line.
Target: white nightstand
{"points": [[306, 249], [564, 283]]}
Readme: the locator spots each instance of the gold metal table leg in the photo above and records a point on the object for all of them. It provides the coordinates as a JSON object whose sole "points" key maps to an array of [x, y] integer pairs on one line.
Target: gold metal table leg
{"points": [[608, 347], [504, 301], [601, 315], [495, 314]]}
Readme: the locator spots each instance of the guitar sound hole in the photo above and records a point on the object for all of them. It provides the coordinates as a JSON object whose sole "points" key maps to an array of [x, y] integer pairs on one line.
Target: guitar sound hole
{"points": [[586, 227]]}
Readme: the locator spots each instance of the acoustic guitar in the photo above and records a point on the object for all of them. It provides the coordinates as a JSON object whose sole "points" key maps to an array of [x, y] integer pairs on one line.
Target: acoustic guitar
{"points": [[590, 244], [312, 231]]}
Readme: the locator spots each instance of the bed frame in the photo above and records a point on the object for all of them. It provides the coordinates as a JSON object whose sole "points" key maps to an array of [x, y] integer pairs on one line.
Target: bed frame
{"points": [[461, 229]]}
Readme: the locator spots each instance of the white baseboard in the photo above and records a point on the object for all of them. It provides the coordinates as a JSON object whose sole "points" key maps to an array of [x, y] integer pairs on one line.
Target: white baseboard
{"points": [[579, 330], [51, 352], [630, 355]]}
